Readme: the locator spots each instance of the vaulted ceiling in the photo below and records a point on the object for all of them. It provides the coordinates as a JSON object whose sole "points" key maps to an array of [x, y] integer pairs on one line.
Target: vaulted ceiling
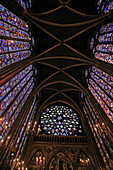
{"points": [[62, 31]]}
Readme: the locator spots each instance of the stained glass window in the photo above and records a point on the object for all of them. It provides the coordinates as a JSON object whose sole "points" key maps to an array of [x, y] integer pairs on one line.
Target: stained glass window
{"points": [[100, 132], [7, 87], [101, 44], [104, 6], [15, 91], [22, 3], [60, 120], [101, 86], [20, 143], [15, 38], [25, 4], [11, 114]]}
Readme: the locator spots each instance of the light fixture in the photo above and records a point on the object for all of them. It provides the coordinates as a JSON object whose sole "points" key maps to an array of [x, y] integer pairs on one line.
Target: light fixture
{"points": [[40, 162]]}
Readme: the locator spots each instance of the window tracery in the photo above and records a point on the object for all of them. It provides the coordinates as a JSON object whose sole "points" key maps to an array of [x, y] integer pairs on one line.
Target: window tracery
{"points": [[60, 120], [21, 140], [9, 118], [100, 85], [15, 38], [99, 130], [101, 44]]}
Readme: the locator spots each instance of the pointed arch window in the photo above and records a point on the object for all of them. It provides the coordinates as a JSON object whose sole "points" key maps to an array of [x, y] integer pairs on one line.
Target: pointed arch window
{"points": [[60, 120], [99, 131], [15, 38], [15, 45], [22, 137], [60, 161], [38, 161], [84, 162], [19, 88], [100, 85], [101, 44]]}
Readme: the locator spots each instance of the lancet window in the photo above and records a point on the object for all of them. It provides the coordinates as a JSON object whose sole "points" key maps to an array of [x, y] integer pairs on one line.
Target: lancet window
{"points": [[60, 161], [14, 99], [22, 137], [99, 130], [15, 38], [100, 85]]}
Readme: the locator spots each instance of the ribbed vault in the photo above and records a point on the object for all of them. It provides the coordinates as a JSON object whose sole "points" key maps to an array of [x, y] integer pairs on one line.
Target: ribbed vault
{"points": [[62, 49]]}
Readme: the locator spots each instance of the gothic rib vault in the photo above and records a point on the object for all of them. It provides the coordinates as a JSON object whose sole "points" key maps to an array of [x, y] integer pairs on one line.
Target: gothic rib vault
{"points": [[62, 36]]}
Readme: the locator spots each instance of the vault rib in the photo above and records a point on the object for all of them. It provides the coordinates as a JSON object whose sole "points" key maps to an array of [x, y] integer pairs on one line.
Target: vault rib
{"points": [[79, 84], [47, 12], [66, 25]]}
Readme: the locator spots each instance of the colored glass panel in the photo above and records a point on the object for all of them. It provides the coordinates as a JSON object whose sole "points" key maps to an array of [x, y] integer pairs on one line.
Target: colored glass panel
{"points": [[105, 48], [13, 32], [15, 40], [108, 7], [106, 85], [104, 6], [11, 18], [103, 75], [60, 120], [99, 131], [106, 37], [8, 99], [20, 143], [104, 57], [22, 3], [106, 28], [14, 110], [13, 82], [10, 58], [11, 45], [101, 86]]}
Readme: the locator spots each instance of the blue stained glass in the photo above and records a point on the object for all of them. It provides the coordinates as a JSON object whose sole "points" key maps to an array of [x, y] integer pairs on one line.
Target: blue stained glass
{"points": [[61, 118], [14, 92], [22, 3], [106, 37], [99, 131], [12, 31], [106, 28], [14, 110], [104, 6], [102, 51], [105, 48], [12, 82], [13, 50], [109, 7], [23, 133], [11, 18], [101, 86]]}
